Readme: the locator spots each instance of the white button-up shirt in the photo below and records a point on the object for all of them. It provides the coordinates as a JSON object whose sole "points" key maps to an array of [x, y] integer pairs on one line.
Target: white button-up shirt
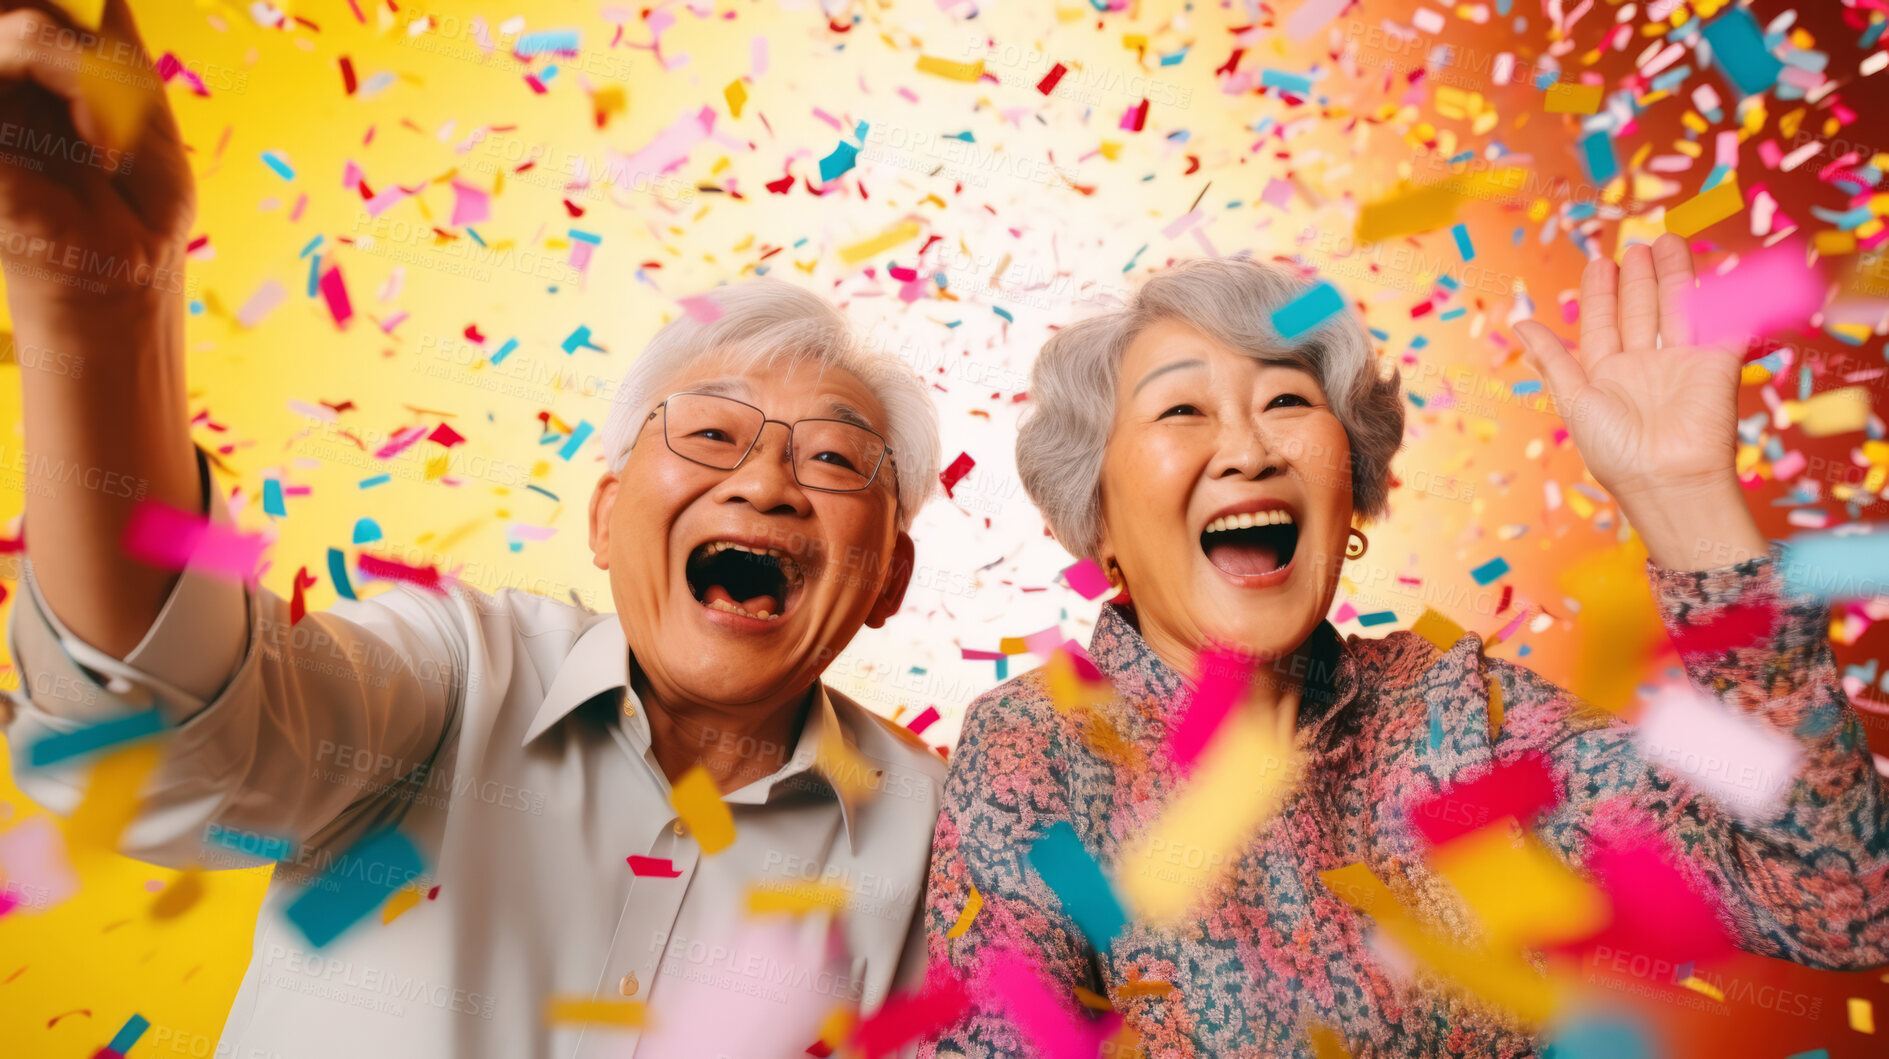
{"points": [[500, 735]]}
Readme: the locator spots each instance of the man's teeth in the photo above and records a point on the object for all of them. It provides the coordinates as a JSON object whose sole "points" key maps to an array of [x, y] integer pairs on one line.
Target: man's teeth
{"points": [[1276, 517], [715, 547], [718, 604]]}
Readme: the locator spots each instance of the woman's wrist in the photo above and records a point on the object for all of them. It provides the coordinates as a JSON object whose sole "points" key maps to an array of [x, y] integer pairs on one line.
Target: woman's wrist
{"points": [[1696, 528]]}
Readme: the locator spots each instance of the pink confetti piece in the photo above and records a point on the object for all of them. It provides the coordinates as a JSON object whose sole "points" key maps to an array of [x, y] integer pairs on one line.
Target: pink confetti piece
{"points": [[971, 654], [33, 857], [261, 303], [351, 176], [1524, 789], [471, 205], [400, 442], [1088, 579], [385, 199], [918, 724], [701, 308], [1743, 765], [334, 290], [757, 56], [1010, 982], [1766, 292], [1312, 16], [1220, 678], [1656, 910], [165, 537]]}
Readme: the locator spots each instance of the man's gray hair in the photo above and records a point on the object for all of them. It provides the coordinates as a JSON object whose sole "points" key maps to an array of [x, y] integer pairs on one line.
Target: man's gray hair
{"points": [[1072, 385], [768, 323]]}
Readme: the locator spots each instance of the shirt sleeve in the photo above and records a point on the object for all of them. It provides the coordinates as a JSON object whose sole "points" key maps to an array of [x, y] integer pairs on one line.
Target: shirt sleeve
{"points": [[1002, 791], [272, 728], [1809, 884]]}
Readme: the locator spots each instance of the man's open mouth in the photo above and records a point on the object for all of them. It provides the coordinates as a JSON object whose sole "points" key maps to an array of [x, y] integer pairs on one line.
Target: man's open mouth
{"points": [[1251, 544], [742, 579]]}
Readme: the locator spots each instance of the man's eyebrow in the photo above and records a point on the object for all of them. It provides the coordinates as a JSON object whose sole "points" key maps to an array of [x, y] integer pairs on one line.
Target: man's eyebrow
{"points": [[733, 387], [846, 413], [1164, 369]]}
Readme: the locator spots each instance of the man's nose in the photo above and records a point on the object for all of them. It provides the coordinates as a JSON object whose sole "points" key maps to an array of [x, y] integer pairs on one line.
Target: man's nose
{"points": [[765, 480]]}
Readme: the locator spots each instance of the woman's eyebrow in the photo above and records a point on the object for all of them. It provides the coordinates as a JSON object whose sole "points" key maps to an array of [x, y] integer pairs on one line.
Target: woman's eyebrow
{"points": [[1164, 369]]}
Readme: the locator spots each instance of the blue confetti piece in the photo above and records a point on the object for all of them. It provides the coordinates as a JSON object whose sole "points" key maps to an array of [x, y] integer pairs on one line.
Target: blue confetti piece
{"points": [[504, 351], [1597, 154], [542, 489], [366, 531], [1526, 387], [578, 339], [1490, 570], [311, 246], [1448, 281], [576, 440], [93, 737], [379, 479], [474, 232], [196, 307], [279, 162], [1377, 617], [129, 1033], [1003, 668], [1436, 726], [1308, 310], [545, 75], [1605, 1037], [314, 275], [561, 41], [272, 498], [338, 573], [1738, 49], [965, 136], [1297, 84], [1453, 313], [1059, 857], [354, 885], [1832, 566], [1003, 312], [586, 237], [1463, 245], [839, 162]]}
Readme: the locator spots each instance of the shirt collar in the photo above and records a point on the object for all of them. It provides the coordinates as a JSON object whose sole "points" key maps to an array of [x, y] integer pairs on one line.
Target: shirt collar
{"points": [[1154, 689], [600, 661]]}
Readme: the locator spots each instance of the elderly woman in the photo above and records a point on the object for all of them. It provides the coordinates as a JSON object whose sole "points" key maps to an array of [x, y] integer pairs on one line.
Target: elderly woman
{"points": [[1215, 469]]}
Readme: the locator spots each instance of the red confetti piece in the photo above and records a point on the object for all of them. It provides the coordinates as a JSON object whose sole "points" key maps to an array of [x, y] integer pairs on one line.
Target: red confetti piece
{"points": [[445, 435], [298, 606], [918, 724], [1049, 81], [426, 577], [1734, 627], [955, 473], [347, 75], [654, 867], [903, 1018], [1522, 789]]}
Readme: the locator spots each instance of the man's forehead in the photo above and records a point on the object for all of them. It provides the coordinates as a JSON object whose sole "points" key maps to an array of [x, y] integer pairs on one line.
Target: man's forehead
{"points": [[841, 396]]}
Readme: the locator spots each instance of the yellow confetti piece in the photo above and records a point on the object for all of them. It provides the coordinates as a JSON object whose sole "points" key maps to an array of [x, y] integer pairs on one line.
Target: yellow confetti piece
{"points": [[697, 801], [1568, 98], [1144, 989], [1619, 625], [1521, 892], [1241, 778], [1326, 1044], [972, 904], [1832, 412], [737, 97], [1093, 1000], [560, 1010], [1013, 645], [1438, 629], [837, 1026], [405, 898], [1862, 1015], [1495, 706], [85, 13], [1703, 988], [111, 798], [931, 64], [899, 233], [796, 898], [1706, 209]]}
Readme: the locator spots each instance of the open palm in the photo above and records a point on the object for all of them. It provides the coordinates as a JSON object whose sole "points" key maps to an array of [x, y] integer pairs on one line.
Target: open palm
{"points": [[1648, 409]]}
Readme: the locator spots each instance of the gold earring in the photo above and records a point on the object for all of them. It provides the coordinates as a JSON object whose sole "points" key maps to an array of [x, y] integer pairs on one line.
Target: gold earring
{"points": [[1355, 549]]}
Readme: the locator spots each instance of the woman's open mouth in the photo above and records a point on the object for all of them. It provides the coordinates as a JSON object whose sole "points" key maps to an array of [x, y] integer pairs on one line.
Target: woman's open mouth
{"points": [[742, 579], [1251, 545]]}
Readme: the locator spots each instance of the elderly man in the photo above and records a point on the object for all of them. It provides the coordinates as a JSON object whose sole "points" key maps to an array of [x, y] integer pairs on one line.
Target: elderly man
{"points": [[568, 807]]}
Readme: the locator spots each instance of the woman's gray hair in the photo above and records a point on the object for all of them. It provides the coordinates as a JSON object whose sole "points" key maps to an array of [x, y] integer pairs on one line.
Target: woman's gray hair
{"points": [[1072, 385], [767, 322]]}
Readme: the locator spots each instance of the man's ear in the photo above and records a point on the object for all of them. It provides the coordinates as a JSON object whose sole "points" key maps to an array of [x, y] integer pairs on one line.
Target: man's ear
{"points": [[898, 576], [603, 500]]}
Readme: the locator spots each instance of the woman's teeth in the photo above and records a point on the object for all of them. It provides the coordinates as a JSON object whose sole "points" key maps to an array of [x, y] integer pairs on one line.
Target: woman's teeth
{"points": [[1275, 517]]}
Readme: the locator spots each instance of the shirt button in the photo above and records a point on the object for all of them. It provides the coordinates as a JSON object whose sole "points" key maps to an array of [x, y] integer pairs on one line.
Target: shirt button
{"points": [[629, 985], [678, 827]]}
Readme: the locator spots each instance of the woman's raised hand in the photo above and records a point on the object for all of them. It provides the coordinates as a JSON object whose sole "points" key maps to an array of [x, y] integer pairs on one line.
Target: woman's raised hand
{"points": [[1655, 416]]}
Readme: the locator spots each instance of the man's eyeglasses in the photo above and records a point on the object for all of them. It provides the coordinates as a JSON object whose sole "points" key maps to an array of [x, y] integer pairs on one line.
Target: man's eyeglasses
{"points": [[831, 455]]}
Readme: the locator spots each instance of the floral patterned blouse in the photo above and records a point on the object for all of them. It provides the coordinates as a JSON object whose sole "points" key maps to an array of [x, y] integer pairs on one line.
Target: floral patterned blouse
{"points": [[1275, 951]]}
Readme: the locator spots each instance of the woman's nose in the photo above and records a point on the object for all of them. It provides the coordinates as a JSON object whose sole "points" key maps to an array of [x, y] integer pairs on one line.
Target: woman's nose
{"points": [[1246, 451]]}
